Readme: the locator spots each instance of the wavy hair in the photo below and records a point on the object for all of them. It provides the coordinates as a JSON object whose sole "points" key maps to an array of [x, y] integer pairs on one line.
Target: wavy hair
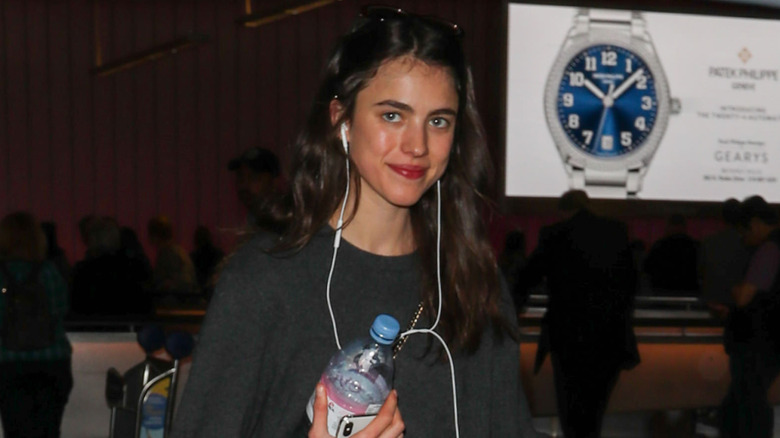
{"points": [[470, 283]]}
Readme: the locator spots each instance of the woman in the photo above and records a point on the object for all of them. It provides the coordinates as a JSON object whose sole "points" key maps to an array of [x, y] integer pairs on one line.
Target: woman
{"points": [[395, 115], [34, 383]]}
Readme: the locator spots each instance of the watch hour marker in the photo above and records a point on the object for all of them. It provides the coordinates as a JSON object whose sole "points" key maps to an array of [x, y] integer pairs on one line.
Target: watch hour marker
{"points": [[590, 63], [609, 58], [641, 83], [574, 121], [647, 103], [625, 138], [588, 135], [576, 79]]}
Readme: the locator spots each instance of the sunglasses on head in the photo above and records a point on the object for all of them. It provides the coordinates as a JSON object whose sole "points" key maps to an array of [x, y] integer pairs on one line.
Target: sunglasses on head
{"points": [[382, 13]]}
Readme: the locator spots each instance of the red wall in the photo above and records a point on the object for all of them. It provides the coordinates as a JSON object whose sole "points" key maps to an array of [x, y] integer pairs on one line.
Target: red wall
{"points": [[156, 139]]}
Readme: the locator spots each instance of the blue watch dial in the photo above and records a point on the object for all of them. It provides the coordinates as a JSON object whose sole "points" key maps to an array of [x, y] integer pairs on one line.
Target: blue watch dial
{"points": [[607, 101]]}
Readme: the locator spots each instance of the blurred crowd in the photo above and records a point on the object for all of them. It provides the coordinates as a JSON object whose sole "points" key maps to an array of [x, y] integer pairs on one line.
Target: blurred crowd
{"points": [[590, 272], [116, 277]]}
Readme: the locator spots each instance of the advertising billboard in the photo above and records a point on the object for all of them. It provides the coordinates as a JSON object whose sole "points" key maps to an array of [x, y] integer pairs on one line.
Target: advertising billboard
{"points": [[637, 104]]}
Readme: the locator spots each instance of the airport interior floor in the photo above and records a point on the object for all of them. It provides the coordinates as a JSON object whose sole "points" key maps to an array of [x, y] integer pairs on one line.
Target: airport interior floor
{"points": [[668, 424], [87, 414]]}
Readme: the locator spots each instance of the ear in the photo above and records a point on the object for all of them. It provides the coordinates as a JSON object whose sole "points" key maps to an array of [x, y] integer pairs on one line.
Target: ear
{"points": [[336, 111]]}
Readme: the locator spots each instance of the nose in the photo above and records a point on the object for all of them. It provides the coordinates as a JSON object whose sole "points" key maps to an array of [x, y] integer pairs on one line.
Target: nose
{"points": [[415, 140]]}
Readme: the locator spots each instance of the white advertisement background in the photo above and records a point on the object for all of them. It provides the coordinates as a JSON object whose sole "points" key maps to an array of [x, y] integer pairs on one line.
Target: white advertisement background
{"points": [[688, 46]]}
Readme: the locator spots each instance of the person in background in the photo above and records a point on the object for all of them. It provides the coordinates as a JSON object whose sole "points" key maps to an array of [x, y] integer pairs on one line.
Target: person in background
{"points": [[752, 334], [257, 171], [132, 248], [34, 384], [395, 117], [723, 259], [54, 253], [587, 329], [109, 282], [173, 274], [639, 253], [85, 222], [206, 257], [671, 264], [512, 259]]}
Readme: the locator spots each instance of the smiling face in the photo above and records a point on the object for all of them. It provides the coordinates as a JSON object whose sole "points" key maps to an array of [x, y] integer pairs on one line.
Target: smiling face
{"points": [[401, 131]]}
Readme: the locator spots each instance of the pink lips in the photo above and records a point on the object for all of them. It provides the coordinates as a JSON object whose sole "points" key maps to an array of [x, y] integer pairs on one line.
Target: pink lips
{"points": [[410, 172]]}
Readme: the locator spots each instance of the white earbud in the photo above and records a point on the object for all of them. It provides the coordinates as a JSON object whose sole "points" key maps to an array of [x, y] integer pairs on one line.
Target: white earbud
{"points": [[344, 138]]}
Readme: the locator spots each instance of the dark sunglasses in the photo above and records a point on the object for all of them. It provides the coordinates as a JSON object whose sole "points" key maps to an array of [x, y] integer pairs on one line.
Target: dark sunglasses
{"points": [[381, 13]]}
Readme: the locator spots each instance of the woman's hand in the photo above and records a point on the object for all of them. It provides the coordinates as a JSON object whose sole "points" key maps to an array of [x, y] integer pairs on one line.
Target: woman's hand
{"points": [[387, 424]]}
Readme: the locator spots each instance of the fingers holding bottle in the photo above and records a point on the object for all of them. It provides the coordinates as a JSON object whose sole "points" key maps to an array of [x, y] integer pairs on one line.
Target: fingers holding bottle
{"points": [[388, 422]]}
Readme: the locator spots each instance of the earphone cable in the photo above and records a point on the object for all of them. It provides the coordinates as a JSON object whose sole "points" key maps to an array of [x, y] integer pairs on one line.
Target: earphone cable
{"points": [[438, 251], [337, 240], [431, 331], [327, 294], [452, 370]]}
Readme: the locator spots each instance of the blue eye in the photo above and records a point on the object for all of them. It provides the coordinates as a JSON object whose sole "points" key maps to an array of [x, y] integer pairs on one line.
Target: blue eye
{"points": [[439, 122], [391, 117]]}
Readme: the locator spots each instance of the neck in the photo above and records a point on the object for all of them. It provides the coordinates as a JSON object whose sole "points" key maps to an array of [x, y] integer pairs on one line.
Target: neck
{"points": [[377, 227]]}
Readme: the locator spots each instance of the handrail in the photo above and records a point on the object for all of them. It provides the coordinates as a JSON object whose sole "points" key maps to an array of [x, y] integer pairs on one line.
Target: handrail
{"points": [[655, 318], [640, 301], [145, 392], [657, 299], [128, 323]]}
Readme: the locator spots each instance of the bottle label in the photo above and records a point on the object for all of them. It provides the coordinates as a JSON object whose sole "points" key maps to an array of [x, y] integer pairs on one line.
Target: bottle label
{"points": [[335, 412], [373, 409]]}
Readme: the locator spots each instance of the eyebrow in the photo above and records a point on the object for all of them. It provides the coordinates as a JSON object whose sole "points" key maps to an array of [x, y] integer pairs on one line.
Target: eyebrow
{"points": [[404, 107]]}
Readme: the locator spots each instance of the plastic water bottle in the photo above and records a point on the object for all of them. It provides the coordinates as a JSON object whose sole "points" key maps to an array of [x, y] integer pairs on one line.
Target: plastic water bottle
{"points": [[359, 377]]}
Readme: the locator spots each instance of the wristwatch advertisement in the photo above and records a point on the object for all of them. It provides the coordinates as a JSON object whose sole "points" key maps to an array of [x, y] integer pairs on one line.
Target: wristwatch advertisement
{"points": [[641, 104], [607, 102]]}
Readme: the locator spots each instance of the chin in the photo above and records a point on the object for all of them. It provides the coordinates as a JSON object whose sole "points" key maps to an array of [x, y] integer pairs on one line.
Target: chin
{"points": [[406, 200], [406, 204]]}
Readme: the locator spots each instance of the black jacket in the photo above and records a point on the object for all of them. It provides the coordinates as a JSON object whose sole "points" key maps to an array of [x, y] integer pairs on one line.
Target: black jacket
{"points": [[591, 280], [757, 325]]}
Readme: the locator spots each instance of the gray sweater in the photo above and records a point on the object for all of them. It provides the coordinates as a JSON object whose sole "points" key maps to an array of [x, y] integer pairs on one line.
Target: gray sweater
{"points": [[267, 337]]}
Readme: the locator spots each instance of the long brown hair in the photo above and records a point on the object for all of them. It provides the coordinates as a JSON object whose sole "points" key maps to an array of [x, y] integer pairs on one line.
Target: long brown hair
{"points": [[470, 284]]}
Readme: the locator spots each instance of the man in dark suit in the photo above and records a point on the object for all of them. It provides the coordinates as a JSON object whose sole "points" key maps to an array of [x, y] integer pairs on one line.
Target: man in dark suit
{"points": [[587, 263], [752, 335]]}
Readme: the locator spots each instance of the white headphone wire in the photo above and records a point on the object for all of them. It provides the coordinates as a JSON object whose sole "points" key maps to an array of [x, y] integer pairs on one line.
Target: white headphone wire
{"points": [[431, 331], [438, 251], [337, 239], [452, 371]]}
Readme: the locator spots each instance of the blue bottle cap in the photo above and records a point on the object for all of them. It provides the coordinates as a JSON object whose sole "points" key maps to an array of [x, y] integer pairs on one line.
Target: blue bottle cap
{"points": [[385, 329]]}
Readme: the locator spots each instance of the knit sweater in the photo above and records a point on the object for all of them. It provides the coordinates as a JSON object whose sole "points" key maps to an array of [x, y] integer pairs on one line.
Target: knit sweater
{"points": [[267, 337]]}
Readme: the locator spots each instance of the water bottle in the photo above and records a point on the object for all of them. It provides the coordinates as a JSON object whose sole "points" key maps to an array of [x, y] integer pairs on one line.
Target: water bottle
{"points": [[359, 377]]}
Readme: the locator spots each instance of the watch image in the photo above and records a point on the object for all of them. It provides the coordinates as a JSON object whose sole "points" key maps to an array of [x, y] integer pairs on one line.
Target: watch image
{"points": [[607, 102]]}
